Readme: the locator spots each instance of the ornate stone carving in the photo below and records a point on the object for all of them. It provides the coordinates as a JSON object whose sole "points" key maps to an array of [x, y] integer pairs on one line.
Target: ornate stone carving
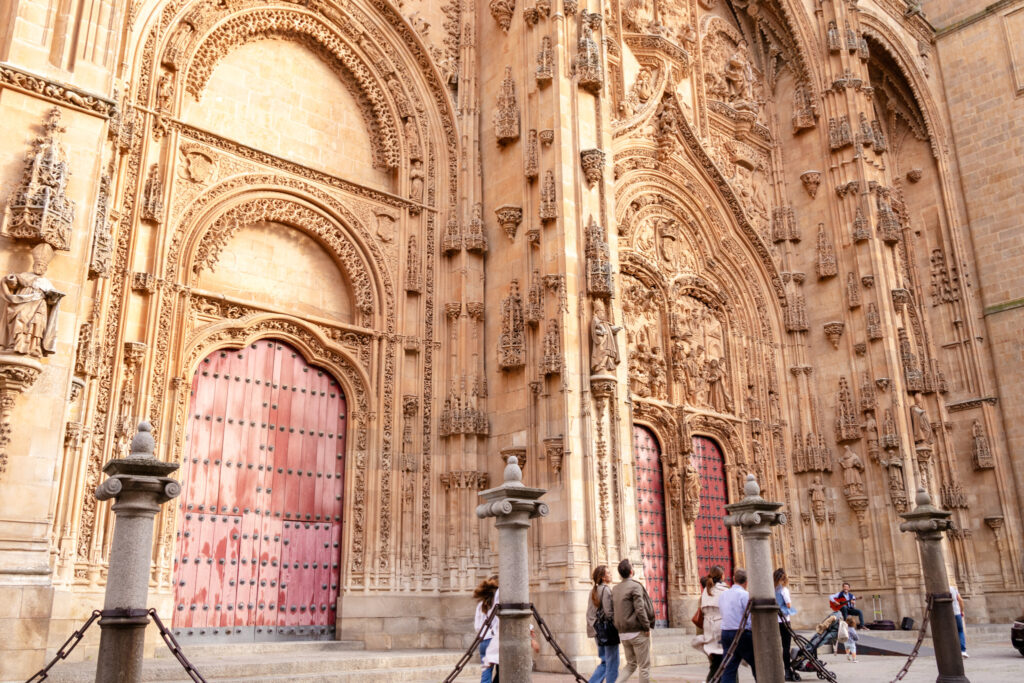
{"points": [[417, 177], [847, 424], [502, 11], [861, 226], [39, 210], [981, 453], [796, 311], [102, 241], [551, 361], [589, 71], [144, 282], [509, 218], [451, 241], [922, 427], [945, 286], [58, 93], [506, 112], [834, 332], [28, 326], [17, 374], [691, 492], [873, 322], [604, 347], [852, 291], [535, 300], [835, 43], [511, 344], [881, 144], [599, 266], [911, 370], [825, 254], [816, 492], [532, 160], [548, 198], [805, 109], [545, 63], [593, 161], [954, 497], [476, 241], [811, 181], [840, 134], [554, 451], [413, 276], [153, 196], [461, 414], [867, 393], [811, 454], [853, 476]]}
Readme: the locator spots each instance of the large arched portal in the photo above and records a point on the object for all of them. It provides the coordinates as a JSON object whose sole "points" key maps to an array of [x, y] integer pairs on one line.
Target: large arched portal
{"points": [[258, 551], [714, 544], [650, 493]]}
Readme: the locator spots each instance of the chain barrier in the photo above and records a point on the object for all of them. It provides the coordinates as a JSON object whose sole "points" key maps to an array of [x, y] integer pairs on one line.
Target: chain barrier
{"points": [[172, 644], [472, 648], [562, 657], [66, 648], [727, 657], [920, 639], [76, 637]]}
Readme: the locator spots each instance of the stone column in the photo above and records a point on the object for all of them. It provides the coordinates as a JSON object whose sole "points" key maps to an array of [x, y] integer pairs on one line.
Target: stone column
{"points": [[140, 485], [756, 516], [929, 522], [513, 505]]}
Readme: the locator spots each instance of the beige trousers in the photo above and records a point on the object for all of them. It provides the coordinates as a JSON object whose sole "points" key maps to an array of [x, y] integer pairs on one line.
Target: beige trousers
{"points": [[638, 656]]}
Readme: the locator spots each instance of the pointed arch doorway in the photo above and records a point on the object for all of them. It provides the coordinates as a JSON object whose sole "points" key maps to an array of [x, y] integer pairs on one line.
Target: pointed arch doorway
{"points": [[258, 546]]}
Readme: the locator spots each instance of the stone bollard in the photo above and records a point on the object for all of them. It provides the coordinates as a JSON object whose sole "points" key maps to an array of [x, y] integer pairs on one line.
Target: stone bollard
{"points": [[756, 516], [513, 505], [928, 522], [140, 485]]}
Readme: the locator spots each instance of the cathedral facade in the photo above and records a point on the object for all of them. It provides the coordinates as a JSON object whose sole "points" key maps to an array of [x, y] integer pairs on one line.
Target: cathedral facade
{"points": [[349, 256]]}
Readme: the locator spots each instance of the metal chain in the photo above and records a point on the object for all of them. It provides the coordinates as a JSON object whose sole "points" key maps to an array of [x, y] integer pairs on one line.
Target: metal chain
{"points": [[823, 673], [732, 646], [920, 639], [172, 645], [472, 648], [562, 657], [66, 648]]}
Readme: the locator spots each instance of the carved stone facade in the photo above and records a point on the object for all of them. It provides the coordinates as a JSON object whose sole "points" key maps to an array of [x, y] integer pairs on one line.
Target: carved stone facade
{"points": [[513, 228]]}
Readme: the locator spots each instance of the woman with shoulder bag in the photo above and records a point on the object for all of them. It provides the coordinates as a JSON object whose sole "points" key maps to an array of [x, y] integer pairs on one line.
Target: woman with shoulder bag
{"points": [[601, 627], [710, 640]]}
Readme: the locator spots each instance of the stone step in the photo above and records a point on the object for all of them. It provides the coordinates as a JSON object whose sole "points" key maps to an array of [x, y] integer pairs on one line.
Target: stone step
{"points": [[301, 646], [350, 666]]}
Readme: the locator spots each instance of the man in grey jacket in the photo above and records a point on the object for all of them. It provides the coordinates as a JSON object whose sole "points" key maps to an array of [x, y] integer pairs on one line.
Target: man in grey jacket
{"points": [[634, 618]]}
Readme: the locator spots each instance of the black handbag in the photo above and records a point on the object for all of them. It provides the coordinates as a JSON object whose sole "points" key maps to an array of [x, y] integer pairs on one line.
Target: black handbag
{"points": [[606, 633]]}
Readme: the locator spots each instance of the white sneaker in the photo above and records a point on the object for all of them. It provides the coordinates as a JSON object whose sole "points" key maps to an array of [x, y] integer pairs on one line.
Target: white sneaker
{"points": [[965, 655]]}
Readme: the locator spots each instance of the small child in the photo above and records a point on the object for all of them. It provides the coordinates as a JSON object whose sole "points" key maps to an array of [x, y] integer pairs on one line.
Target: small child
{"points": [[851, 643]]}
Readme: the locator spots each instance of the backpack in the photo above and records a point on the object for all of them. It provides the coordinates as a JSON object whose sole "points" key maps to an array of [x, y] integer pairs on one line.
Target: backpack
{"points": [[844, 632]]}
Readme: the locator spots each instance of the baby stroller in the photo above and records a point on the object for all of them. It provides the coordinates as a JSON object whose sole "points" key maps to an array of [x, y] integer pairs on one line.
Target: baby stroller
{"points": [[825, 632]]}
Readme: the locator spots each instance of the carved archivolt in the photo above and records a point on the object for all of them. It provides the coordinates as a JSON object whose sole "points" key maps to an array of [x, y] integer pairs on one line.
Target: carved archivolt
{"points": [[300, 216], [315, 33]]}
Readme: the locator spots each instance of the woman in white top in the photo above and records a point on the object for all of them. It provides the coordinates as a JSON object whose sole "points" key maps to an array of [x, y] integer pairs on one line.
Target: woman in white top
{"points": [[711, 640], [785, 603], [486, 595]]}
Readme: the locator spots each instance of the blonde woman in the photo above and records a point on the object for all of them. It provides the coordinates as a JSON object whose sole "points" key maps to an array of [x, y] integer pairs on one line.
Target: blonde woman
{"points": [[710, 641]]}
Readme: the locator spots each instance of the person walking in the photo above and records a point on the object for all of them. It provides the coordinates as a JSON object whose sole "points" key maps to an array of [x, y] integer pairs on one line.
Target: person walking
{"points": [[601, 627], [958, 612], [486, 595], [710, 641], [634, 618], [733, 605], [785, 603], [851, 640]]}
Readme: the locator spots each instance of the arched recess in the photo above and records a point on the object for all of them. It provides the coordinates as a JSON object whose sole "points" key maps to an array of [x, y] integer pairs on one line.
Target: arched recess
{"points": [[652, 519]]}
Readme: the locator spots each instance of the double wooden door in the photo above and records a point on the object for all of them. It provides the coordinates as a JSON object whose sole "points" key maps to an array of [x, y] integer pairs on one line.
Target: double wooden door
{"points": [[258, 553], [714, 544], [650, 493]]}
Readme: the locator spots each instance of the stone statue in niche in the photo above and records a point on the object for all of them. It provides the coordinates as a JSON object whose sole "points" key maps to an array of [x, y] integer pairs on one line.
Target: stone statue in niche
{"points": [[639, 370], [816, 491], [659, 385], [416, 177], [730, 75], [923, 433], [30, 304], [604, 348], [718, 396], [691, 491], [641, 92], [853, 479], [699, 353]]}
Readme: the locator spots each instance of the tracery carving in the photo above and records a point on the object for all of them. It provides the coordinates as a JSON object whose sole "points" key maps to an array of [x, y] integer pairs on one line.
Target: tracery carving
{"points": [[599, 265], [873, 322], [825, 254], [534, 311], [551, 360], [589, 70], [532, 160], [39, 210], [981, 452], [506, 111], [861, 227], [413, 270], [548, 198], [511, 343], [102, 248], [847, 424], [852, 291], [545, 63], [945, 286]]}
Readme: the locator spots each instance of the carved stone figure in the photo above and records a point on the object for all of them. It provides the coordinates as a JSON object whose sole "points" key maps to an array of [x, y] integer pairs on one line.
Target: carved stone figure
{"points": [[30, 308], [981, 451], [816, 491], [604, 348], [718, 396], [853, 468], [552, 360], [922, 427], [588, 56], [691, 492], [416, 177]]}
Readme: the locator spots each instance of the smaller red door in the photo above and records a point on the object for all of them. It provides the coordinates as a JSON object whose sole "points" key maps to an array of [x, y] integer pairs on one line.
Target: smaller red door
{"points": [[714, 544], [650, 493]]}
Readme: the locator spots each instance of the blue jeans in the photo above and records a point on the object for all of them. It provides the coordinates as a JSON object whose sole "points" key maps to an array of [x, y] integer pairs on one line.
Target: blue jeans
{"points": [[744, 651], [485, 675], [608, 670], [960, 632]]}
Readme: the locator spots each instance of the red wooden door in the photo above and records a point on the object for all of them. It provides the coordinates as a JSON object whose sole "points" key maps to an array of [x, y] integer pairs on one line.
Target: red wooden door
{"points": [[650, 493], [714, 544], [259, 545]]}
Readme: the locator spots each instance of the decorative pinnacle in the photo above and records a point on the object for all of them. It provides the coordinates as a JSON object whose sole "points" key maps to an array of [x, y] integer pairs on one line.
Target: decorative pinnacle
{"points": [[143, 443], [922, 498], [751, 488], [513, 475]]}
